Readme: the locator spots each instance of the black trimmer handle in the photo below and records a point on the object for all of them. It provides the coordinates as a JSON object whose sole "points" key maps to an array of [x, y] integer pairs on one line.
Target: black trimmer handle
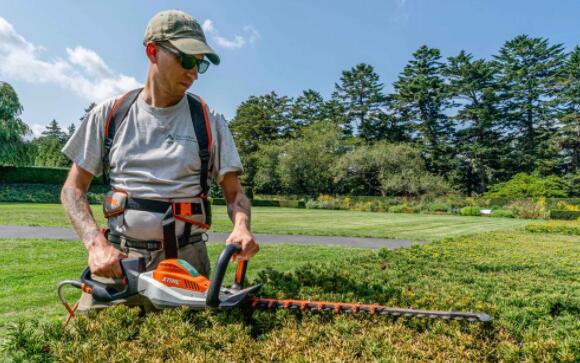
{"points": [[213, 299], [131, 268]]}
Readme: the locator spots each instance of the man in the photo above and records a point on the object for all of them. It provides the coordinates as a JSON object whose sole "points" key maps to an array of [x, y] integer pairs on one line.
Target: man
{"points": [[154, 158]]}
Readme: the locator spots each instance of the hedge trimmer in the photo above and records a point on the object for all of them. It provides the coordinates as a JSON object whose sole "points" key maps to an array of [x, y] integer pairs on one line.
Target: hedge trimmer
{"points": [[176, 283]]}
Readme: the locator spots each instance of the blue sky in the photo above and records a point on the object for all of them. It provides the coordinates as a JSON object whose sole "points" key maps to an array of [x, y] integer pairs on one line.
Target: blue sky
{"points": [[61, 55]]}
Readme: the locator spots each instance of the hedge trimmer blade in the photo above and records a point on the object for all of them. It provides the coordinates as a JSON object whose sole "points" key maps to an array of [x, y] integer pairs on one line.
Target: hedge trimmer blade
{"points": [[260, 303]]}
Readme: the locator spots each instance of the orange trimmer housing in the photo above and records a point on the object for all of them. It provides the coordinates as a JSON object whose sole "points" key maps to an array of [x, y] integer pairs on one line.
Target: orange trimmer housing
{"points": [[176, 273]]}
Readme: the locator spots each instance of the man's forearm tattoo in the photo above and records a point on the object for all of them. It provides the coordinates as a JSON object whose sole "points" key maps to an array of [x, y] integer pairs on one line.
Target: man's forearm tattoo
{"points": [[77, 207], [242, 205]]}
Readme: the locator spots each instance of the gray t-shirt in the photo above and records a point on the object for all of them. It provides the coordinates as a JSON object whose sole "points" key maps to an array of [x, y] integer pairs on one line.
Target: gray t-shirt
{"points": [[155, 155]]}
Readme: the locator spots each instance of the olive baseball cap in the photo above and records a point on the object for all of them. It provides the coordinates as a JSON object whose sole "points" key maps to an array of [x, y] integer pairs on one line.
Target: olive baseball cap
{"points": [[182, 31]]}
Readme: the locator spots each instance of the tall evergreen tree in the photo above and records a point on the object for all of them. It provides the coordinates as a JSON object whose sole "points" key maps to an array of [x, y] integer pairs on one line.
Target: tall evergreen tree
{"points": [[53, 131], [360, 93], [307, 108], [12, 128], [421, 98], [529, 70], [569, 102], [70, 131], [473, 87]]}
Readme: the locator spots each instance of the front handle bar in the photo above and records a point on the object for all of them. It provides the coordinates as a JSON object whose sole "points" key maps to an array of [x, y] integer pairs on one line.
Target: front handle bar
{"points": [[213, 292]]}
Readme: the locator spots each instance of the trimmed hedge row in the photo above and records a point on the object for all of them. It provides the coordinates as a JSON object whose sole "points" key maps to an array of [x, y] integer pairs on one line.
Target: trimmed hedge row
{"points": [[34, 174], [44, 193], [564, 214], [50, 193]]}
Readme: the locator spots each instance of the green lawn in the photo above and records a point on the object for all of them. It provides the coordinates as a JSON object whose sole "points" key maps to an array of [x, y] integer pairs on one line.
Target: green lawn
{"points": [[529, 282], [301, 221]]}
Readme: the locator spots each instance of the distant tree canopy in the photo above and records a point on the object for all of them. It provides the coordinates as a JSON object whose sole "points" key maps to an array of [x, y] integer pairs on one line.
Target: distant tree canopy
{"points": [[12, 128], [447, 124]]}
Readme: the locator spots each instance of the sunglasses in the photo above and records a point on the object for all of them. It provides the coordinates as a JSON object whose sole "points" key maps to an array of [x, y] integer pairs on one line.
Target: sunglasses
{"points": [[187, 61]]}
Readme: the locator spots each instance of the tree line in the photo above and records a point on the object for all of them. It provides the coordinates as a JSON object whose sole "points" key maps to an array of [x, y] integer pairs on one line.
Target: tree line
{"points": [[457, 123], [44, 150]]}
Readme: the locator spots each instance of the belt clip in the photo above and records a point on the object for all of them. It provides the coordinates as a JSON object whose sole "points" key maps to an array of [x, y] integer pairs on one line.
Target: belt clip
{"points": [[123, 244]]}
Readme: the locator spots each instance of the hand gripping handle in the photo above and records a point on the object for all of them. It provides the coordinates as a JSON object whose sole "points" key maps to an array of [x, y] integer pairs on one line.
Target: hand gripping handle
{"points": [[101, 292], [213, 292]]}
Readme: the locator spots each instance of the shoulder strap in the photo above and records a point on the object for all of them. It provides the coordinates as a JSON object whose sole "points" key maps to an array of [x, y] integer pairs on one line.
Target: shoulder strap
{"points": [[116, 116], [202, 128]]}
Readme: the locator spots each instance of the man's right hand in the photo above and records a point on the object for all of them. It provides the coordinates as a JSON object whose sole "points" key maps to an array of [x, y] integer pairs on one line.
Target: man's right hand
{"points": [[104, 259]]}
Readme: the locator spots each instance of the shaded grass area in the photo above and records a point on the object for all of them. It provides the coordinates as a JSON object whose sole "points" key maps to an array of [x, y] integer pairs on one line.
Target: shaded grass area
{"points": [[31, 269], [301, 221], [529, 283]]}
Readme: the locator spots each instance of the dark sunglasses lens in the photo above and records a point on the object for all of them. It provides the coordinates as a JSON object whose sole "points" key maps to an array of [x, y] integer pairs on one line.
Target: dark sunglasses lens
{"points": [[188, 62]]}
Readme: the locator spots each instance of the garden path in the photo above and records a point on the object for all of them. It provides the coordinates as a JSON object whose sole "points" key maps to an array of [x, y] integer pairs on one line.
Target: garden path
{"points": [[216, 237]]}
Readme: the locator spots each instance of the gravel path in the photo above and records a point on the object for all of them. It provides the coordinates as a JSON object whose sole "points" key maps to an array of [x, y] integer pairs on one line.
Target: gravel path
{"points": [[69, 234]]}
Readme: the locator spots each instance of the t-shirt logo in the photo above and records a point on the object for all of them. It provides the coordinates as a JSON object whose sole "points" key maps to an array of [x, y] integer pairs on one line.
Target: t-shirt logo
{"points": [[169, 139]]}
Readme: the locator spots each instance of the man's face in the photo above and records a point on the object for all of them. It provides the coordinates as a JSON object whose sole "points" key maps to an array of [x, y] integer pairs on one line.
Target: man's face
{"points": [[172, 76]]}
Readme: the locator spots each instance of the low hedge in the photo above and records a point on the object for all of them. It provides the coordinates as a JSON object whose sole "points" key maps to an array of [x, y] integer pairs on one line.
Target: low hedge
{"points": [[44, 193], [564, 214], [50, 193], [560, 227], [34, 174]]}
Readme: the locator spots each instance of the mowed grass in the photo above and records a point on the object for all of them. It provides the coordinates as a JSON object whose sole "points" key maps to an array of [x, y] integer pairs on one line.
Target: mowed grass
{"points": [[529, 282], [312, 222]]}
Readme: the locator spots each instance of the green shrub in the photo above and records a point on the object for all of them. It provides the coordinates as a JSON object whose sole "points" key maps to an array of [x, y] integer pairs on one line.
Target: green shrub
{"points": [[529, 208], [265, 203], [530, 291], [561, 227], [469, 211], [523, 185], [399, 208], [218, 201], [502, 213], [438, 207], [564, 214]]}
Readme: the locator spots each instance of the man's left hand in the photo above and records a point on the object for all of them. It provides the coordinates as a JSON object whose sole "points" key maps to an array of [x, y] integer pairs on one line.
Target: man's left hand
{"points": [[244, 238]]}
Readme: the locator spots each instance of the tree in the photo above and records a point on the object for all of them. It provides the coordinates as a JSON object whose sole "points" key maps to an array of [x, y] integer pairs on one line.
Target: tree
{"points": [[360, 94], [53, 131], [421, 98], [48, 152], [529, 69], [473, 87], [568, 101], [305, 164], [388, 169], [12, 128], [70, 131], [307, 108], [259, 121]]}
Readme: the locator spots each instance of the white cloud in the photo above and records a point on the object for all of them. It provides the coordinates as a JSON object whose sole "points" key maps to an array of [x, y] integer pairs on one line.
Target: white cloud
{"points": [[37, 129], [92, 63], [84, 72], [249, 36]]}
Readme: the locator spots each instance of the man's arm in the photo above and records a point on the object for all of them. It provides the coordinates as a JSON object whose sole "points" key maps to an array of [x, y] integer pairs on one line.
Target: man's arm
{"points": [[103, 258], [239, 211]]}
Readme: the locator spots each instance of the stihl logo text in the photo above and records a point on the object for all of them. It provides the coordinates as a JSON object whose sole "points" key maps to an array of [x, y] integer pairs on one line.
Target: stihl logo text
{"points": [[169, 280]]}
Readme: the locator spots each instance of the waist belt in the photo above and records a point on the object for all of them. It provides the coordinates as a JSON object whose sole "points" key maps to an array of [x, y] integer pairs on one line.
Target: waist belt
{"points": [[151, 245], [156, 206]]}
